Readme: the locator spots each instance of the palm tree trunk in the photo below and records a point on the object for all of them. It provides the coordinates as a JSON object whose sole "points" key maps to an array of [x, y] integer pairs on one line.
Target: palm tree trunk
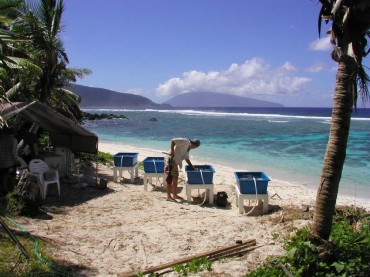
{"points": [[336, 149]]}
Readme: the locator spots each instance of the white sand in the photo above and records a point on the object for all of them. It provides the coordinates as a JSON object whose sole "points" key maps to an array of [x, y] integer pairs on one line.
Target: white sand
{"points": [[294, 194], [129, 229]]}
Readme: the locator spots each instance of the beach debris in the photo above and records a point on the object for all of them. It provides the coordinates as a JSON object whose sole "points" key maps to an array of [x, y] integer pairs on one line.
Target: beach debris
{"points": [[286, 271], [275, 194], [237, 249], [306, 208], [282, 220], [357, 227]]}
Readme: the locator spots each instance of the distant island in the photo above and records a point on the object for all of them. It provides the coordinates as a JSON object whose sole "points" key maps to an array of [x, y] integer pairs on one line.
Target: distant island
{"points": [[98, 98], [214, 100]]}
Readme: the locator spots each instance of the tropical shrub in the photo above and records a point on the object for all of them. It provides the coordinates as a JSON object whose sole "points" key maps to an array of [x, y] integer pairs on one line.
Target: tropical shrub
{"points": [[347, 253]]}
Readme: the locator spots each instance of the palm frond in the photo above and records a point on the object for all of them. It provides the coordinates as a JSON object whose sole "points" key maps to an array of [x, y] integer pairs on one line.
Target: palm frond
{"points": [[349, 33], [11, 92], [4, 5], [325, 12], [67, 103], [2, 122], [336, 8], [25, 63], [57, 20], [363, 81], [33, 56], [79, 72]]}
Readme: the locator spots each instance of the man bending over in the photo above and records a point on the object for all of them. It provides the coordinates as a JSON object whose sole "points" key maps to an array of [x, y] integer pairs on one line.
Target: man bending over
{"points": [[180, 148]]}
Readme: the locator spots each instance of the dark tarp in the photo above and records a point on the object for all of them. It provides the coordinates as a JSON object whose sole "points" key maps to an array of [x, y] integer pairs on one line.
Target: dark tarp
{"points": [[62, 131]]}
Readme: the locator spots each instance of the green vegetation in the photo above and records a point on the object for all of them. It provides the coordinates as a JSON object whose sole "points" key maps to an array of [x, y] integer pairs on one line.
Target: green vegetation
{"points": [[33, 61], [14, 263], [194, 266], [95, 116], [103, 157], [190, 268], [346, 254]]}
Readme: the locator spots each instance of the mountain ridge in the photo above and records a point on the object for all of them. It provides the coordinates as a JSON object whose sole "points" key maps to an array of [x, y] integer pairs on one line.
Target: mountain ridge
{"points": [[213, 100], [104, 98]]}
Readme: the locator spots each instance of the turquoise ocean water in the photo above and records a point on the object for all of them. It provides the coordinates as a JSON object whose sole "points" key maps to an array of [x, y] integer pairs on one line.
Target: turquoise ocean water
{"points": [[287, 143]]}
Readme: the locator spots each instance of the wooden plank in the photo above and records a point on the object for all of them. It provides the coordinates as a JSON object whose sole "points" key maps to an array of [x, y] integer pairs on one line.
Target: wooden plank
{"points": [[232, 250], [240, 252], [188, 259]]}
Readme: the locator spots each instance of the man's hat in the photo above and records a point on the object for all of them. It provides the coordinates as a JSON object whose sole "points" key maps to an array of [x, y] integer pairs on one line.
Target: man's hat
{"points": [[195, 142]]}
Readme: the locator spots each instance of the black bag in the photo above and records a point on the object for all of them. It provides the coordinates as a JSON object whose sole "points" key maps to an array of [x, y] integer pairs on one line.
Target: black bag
{"points": [[221, 199]]}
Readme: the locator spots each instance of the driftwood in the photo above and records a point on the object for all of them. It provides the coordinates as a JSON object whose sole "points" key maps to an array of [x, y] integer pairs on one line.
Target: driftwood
{"points": [[213, 255], [232, 249], [240, 252]]}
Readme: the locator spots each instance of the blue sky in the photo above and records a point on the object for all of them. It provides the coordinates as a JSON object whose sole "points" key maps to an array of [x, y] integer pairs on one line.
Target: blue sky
{"points": [[263, 49]]}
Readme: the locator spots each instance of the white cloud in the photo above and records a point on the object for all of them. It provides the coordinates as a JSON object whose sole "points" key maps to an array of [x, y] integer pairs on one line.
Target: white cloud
{"points": [[252, 78], [287, 66], [322, 44], [315, 68]]}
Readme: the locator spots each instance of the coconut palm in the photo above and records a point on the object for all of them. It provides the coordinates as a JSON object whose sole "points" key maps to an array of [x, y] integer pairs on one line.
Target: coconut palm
{"points": [[42, 73], [42, 22], [350, 23], [7, 61], [7, 15]]}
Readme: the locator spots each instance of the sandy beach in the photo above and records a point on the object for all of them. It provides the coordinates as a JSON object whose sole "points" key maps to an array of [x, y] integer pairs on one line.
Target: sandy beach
{"points": [[126, 229]]}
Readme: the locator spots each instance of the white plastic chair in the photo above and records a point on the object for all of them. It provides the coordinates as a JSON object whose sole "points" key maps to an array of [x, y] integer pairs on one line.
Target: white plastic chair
{"points": [[45, 175], [76, 169]]}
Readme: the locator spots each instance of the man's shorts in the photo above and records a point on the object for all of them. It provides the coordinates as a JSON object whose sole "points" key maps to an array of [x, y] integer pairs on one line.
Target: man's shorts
{"points": [[175, 169]]}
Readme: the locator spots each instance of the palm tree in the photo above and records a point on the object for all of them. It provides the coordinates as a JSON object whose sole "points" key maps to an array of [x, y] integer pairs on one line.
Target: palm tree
{"points": [[43, 74], [7, 61], [7, 15], [43, 23], [349, 33]]}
